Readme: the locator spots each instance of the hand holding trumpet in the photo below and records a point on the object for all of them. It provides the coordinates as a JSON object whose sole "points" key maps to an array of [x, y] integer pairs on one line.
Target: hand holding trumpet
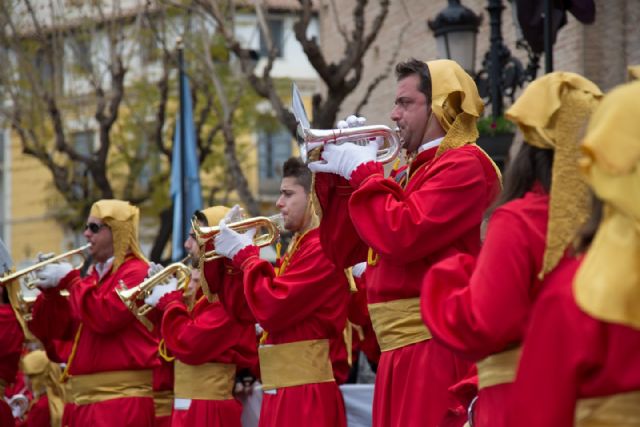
{"points": [[170, 284], [343, 159]]}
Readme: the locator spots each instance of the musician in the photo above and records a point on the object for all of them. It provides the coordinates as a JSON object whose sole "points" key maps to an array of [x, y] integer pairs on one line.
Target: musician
{"points": [[480, 309], [47, 406], [11, 339], [301, 304], [208, 344], [580, 362], [110, 365], [401, 225]]}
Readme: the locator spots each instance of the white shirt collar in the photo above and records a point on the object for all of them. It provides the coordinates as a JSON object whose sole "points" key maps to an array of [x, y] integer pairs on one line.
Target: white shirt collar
{"points": [[103, 267], [430, 144]]}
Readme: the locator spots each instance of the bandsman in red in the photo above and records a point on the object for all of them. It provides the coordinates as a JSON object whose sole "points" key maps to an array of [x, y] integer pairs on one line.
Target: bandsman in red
{"points": [[580, 363], [11, 340], [110, 366], [208, 344], [480, 308], [48, 402], [429, 210], [301, 304]]}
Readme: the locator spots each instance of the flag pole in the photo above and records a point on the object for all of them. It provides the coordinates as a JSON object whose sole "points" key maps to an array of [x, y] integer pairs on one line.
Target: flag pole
{"points": [[183, 133]]}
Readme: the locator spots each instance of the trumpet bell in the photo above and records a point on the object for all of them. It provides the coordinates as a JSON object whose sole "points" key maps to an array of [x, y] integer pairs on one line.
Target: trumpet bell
{"points": [[312, 139], [270, 228], [134, 297]]}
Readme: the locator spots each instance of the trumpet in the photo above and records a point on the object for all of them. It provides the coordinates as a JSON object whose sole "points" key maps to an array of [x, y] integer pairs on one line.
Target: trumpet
{"points": [[24, 303], [131, 296], [32, 268], [311, 139], [272, 224]]}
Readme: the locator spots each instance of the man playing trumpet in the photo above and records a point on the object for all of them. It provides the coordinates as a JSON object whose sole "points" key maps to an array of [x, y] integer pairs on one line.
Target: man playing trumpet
{"points": [[301, 305], [113, 354], [208, 344], [401, 225]]}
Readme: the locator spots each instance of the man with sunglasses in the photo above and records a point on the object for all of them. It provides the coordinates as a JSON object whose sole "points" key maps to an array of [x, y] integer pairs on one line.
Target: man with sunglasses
{"points": [[110, 365]]}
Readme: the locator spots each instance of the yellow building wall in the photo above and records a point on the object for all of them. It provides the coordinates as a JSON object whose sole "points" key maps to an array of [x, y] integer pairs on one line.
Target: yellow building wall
{"points": [[32, 230]]}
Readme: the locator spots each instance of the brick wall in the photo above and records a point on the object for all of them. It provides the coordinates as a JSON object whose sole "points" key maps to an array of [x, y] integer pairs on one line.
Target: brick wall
{"points": [[601, 51]]}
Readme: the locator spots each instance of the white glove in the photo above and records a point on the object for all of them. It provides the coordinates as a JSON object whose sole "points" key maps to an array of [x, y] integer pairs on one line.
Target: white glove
{"points": [[234, 215], [345, 158], [170, 285], [154, 269], [228, 242], [359, 269], [352, 122], [49, 276]]}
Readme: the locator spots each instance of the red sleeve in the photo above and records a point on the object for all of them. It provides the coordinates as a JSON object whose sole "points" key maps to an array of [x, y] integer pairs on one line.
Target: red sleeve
{"points": [[553, 362], [281, 302], [415, 224], [201, 338], [11, 339], [226, 280], [98, 305], [479, 311], [338, 236], [358, 310], [51, 317]]}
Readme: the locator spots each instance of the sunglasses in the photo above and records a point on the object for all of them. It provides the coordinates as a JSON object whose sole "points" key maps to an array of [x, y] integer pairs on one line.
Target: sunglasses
{"points": [[93, 227]]}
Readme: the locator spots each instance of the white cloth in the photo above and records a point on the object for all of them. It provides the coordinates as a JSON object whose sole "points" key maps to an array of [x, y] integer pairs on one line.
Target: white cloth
{"points": [[102, 268], [359, 269], [50, 275], [430, 144], [228, 242]]}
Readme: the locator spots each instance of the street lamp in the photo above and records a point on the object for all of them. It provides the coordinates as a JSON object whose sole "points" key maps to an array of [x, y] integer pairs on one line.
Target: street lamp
{"points": [[455, 29], [501, 73]]}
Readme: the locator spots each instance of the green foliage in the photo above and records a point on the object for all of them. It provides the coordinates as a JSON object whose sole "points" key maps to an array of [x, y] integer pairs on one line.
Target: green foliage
{"points": [[488, 126]]}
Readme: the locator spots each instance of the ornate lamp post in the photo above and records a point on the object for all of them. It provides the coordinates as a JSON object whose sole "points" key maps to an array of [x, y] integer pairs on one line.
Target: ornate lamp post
{"points": [[501, 73], [455, 29]]}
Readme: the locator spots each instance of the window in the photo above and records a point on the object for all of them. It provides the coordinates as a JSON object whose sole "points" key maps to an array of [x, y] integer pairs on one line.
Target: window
{"points": [[83, 143], [80, 44], [274, 148], [276, 28]]}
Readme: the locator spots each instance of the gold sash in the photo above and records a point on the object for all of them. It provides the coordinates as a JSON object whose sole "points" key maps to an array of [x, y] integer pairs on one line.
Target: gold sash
{"points": [[163, 402], [296, 363], [398, 323], [3, 385], [94, 388], [499, 368], [68, 396], [209, 381], [619, 410]]}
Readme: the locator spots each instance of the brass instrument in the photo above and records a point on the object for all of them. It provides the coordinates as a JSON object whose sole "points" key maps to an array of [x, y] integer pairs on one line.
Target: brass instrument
{"points": [[272, 226], [24, 303], [131, 297], [312, 139], [33, 268]]}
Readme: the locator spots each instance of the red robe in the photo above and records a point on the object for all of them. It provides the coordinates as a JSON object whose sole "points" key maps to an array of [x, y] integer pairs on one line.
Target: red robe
{"points": [[481, 308], [112, 339], [307, 301], [437, 214], [207, 334], [11, 339], [568, 355], [39, 414]]}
